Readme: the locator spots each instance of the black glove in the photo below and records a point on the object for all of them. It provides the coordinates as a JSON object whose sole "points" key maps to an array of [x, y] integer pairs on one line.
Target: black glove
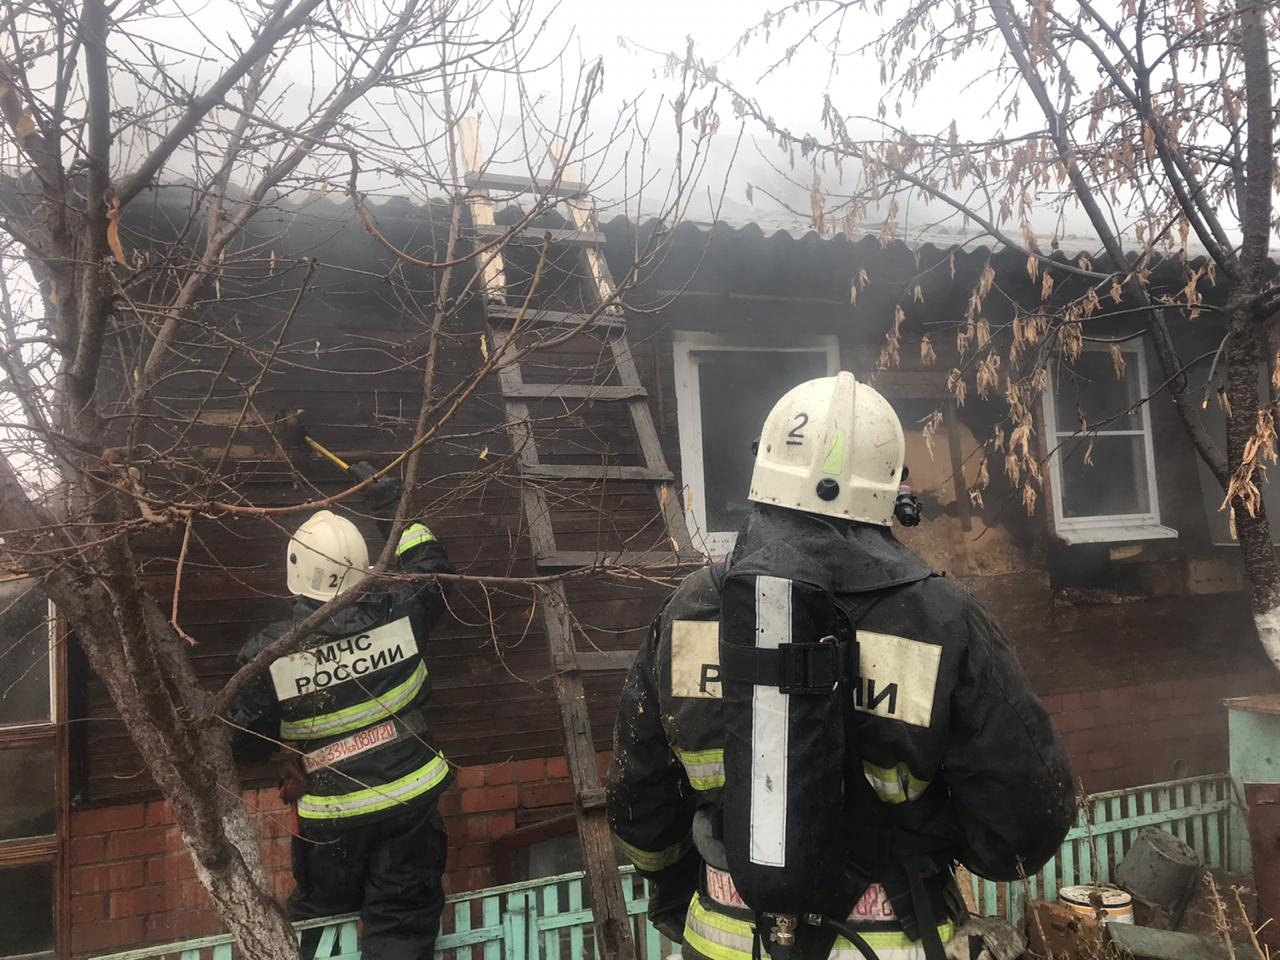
{"points": [[383, 496], [669, 920]]}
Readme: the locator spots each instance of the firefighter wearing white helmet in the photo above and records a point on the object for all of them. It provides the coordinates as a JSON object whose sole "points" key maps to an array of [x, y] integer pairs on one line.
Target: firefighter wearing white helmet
{"points": [[358, 765], [817, 729], [327, 555], [832, 446]]}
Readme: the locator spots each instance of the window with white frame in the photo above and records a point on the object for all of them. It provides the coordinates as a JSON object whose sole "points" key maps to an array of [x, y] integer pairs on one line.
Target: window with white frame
{"points": [[724, 389], [1098, 430]]}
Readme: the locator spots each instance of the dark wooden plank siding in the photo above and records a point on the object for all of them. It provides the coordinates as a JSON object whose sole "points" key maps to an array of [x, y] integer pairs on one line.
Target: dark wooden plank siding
{"points": [[352, 360]]}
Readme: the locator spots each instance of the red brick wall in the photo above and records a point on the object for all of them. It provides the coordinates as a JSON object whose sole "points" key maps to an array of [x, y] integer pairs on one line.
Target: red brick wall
{"points": [[132, 883], [489, 801], [1121, 736]]}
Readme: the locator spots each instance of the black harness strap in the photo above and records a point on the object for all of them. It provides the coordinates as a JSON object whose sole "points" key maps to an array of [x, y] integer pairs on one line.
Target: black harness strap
{"points": [[922, 906], [794, 668]]}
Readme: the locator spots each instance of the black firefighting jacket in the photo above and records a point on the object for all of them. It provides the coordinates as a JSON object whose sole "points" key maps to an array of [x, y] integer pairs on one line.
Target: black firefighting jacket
{"points": [[960, 760], [350, 701]]}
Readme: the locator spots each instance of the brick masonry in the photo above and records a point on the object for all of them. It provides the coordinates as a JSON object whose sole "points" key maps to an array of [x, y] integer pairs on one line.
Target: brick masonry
{"points": [[133, 884]]}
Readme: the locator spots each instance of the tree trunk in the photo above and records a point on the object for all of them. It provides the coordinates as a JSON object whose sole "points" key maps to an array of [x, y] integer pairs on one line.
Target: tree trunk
{"points": [[161, 703], [1261, 570]]}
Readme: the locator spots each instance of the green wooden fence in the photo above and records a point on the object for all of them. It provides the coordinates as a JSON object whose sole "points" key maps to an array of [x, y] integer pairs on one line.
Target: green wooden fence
{"points": [[1196, 810], [543, 919], [549, 919]]}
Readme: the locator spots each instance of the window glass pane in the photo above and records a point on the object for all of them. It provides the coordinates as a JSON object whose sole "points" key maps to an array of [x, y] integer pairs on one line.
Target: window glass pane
{"points": [[26, 792], [24, 653], [26, 909], [1115, 484], [551, 858], [1091, 385], [738, 388]]}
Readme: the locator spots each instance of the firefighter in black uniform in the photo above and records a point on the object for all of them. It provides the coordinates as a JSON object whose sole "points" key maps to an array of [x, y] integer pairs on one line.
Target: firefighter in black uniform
{"points": [[348, 709], [955, 758]]}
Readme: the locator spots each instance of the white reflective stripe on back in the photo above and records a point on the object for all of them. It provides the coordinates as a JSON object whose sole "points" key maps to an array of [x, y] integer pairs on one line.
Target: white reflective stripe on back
{"points": [[769, 726], [342, 660]]}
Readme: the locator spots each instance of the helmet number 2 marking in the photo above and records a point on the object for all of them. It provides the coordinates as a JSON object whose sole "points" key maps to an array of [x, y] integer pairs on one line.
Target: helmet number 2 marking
{"points": [[333, 581], [795, 438]]}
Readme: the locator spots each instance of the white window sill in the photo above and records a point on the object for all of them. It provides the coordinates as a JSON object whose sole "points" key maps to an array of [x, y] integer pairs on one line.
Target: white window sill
{"points": [[1119, 532]]}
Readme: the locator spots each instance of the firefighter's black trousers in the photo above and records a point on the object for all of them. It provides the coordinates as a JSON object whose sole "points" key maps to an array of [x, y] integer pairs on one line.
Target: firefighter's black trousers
{"points": [[390, 871]]}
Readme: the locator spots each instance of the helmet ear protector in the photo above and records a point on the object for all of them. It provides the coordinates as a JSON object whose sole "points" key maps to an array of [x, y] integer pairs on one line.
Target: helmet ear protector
{"points": [[907, 509]]}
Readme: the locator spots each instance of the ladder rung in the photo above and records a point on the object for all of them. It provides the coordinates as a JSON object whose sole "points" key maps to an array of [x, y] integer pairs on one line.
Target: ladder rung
{"points": [[565, 559], [594, 661], [502, 311], [591, 471], [533, 236], [573, 391], [509, 184], [592, 798]]}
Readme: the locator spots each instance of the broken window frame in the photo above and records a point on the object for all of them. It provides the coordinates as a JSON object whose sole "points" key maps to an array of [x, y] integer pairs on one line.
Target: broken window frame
{"points": [[1104, 528], [687, 350]]}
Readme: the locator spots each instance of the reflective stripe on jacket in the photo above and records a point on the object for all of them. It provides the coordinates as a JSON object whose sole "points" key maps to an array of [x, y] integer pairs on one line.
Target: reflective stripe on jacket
{"points": [[375, 799], [721, 937]]}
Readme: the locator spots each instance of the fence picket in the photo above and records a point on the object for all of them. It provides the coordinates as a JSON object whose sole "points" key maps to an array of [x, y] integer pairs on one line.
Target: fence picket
{"points": [[491, 919], [576, 944], [462, 924], [1067, 864], [1198, 823], [550, 909], [1216, 829]]}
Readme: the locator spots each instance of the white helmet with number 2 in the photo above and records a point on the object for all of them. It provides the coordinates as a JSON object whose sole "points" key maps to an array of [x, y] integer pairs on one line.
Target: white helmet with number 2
{"points": [[326, 556], [832, 446]]}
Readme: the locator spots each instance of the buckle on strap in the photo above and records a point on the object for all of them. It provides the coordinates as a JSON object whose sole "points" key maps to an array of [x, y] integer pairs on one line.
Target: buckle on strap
{"points": [[812, 669]]}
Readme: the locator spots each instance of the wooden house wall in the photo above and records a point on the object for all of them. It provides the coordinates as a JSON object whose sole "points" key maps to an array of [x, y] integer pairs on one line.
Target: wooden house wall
{"points": [[352, 360]]}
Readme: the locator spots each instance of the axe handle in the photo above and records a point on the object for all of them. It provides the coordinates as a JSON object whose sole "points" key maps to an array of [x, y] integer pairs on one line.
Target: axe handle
{"points": [[336, 460]]}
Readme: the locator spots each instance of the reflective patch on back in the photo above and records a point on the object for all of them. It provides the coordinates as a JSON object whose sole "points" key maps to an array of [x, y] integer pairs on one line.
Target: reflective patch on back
{"points": [[343, 660], [695, 659], [897, 677]]}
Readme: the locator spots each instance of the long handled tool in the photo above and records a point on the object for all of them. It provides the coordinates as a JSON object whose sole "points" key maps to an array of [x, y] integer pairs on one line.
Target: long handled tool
{"points": [[328, 454], [294, 434]]}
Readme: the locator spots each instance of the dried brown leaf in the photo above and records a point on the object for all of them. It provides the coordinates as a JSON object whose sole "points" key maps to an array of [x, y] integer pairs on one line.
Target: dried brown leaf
{"points": [[927, 355], [1117, 360], [25, 127], [113, 233]]}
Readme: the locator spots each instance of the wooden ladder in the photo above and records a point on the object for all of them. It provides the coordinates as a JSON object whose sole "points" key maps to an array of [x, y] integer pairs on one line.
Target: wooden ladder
{"points": [[612, 926]]}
